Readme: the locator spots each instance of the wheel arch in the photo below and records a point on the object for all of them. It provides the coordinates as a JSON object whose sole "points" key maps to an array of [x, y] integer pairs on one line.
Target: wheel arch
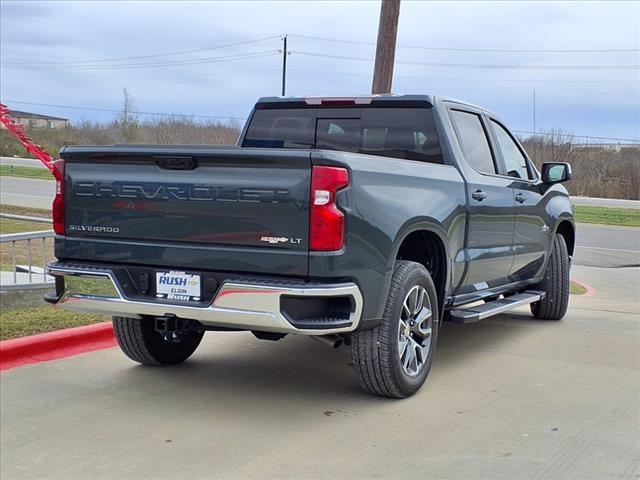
{"points": [[425, 244], [567, 230]]}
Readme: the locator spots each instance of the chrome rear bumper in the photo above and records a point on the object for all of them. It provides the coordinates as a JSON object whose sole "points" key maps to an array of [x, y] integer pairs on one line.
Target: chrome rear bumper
{"points": [[250, 305]]}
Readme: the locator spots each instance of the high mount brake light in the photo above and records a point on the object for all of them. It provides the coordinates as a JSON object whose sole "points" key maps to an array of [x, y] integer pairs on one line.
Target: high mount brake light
{"points": [[338, 101], [57, 209], [326, 229]]}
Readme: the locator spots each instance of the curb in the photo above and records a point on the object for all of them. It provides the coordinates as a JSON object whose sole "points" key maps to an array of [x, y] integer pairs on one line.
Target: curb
{"points": [[590, 291], [49, 346]]}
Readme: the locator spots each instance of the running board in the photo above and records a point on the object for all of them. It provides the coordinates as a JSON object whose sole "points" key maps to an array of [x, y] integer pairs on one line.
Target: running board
{"points": [[473, 314]]}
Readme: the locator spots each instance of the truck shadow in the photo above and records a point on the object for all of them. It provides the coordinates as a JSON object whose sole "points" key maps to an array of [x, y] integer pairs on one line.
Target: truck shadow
{"points": [[233, 370]]}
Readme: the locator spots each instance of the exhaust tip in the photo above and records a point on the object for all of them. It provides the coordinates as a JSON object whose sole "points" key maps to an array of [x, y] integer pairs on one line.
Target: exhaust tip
{"points": [[333, 341]]}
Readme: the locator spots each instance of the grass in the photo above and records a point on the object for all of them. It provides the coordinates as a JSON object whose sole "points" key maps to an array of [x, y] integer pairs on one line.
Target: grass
{"points": [[575, 289], [9, 225], [26, 172], [32, 212], [20, 322], [627, 217]]}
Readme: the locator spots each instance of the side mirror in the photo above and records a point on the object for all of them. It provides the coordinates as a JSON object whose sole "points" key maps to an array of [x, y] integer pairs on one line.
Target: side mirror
{"points": [[556, 172]]}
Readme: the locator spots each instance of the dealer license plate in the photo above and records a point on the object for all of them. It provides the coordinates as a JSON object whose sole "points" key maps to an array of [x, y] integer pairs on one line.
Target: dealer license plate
{"points": [[178, 286]]}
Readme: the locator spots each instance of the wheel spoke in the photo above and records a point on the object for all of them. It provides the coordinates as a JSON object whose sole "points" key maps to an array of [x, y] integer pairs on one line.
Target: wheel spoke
{"points": [[403, 343], [403, 325], [409, 359], [406, 311], [415, 327], [419, 300], [422, 324]]}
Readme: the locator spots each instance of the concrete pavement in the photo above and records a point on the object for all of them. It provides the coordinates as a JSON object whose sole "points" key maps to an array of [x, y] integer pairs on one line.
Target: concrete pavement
{"points": [[509, 397]]}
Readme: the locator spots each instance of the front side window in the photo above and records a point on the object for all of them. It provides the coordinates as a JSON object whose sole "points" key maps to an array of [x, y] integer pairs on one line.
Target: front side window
{"points": [[473, 141], [515, 161]]}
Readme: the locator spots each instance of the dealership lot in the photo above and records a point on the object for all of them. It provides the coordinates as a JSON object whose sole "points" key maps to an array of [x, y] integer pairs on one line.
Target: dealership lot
{"points": [[509, 397]]}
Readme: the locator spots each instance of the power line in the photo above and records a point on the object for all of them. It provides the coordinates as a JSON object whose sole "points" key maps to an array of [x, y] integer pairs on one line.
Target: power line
{"points": [[463, 79], [527, 132], [474, 65], [73, 107], [199, 61], [140, 57], [489, 50]]}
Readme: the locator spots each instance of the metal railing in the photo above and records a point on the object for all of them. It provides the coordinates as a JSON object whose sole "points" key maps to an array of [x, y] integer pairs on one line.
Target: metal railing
{"points": [[29, 278]]}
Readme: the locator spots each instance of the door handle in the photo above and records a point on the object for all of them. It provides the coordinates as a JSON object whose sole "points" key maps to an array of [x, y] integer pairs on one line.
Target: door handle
{"points": [[521, 197], [479, 195]]}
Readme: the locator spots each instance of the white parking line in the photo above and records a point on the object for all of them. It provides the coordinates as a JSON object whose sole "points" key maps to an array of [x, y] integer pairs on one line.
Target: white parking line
{"points": [[609, 249]]}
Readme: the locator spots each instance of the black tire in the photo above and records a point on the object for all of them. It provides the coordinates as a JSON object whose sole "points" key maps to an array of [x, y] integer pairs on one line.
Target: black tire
{"points": [[375, 353], [555, 284], [140, 341]]}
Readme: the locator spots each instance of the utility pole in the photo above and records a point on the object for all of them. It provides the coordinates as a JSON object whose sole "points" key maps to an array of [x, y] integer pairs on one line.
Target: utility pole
{"points": [[284, 64], [386, 46], [535, 138]]}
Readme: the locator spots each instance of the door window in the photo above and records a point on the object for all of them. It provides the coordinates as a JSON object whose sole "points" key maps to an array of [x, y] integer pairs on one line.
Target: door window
{"points": [[473, 141], [515, 161]]}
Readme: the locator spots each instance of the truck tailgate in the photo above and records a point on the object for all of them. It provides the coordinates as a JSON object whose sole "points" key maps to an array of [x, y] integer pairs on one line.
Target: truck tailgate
{"points": [[228, 209]]}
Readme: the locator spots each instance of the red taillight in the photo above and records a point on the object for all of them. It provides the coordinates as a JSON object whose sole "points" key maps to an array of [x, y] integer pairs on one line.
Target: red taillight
{"points": [[57, 209], [326, 231]]}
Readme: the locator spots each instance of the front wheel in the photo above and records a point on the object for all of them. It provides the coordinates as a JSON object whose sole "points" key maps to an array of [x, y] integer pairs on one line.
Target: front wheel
{"points": [[140, 341], [555, 284], [394, 359]]}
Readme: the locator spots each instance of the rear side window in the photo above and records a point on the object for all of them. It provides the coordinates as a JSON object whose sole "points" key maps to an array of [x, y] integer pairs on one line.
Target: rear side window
{"points": [[473, 140], [514, 160], [408, 133]]}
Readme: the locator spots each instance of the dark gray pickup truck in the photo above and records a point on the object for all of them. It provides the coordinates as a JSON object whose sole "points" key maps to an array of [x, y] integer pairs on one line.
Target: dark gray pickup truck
{"points": [[366, 221]]}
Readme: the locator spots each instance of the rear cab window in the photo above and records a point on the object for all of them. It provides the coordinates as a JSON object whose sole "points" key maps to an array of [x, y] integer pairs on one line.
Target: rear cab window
{"points": [[406, 133]]}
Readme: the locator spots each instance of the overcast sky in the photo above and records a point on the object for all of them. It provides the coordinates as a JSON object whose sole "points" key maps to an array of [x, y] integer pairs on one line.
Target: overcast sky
{"points": [[37, 37]]}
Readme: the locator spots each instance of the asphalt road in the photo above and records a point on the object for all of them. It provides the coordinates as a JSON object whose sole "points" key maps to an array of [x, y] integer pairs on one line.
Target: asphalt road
{"points": [[26, 192], [607, 246], [597, 245], [21, 162], [28, 162], [508, 398]]}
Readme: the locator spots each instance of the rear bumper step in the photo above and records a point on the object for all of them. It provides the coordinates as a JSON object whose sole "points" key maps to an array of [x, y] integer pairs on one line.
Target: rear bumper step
{"points": [[480, 312], [266, 306]]}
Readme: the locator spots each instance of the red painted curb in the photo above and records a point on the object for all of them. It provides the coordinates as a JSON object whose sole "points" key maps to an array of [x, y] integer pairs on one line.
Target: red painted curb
{"points": [[55, 345], [590, 291]]}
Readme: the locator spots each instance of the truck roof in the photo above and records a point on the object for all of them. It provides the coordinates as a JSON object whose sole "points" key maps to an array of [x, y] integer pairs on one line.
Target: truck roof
{"points": [[362, 99]]}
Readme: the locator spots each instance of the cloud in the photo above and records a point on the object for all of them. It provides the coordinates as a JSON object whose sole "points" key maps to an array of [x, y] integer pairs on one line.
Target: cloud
{"points": [[593, 102]]}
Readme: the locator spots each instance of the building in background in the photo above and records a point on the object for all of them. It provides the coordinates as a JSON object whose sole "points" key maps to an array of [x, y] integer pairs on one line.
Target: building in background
{"points": [[612, 147], [37, 120]]}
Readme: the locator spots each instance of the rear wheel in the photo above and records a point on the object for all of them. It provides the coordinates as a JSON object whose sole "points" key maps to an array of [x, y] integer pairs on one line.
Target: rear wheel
{"points": [[555, 284], [394, 359], [140, 341]]}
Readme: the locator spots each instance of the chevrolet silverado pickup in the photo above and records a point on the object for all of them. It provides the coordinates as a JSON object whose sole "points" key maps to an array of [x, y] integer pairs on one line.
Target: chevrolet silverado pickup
{"points": [[364, 221]]}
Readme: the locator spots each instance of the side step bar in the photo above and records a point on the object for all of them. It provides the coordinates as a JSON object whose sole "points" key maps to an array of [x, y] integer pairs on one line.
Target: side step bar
{"points": [[473, 314]]}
